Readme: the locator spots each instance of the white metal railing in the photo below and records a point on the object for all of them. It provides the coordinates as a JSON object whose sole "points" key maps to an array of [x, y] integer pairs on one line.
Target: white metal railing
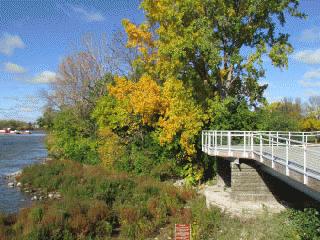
{"points": [[298, 151]]}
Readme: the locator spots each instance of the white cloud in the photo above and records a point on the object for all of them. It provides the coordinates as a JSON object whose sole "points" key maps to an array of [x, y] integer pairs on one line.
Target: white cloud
{"points": [[89, 16], [8, 43], [311, 79], [44, 77], [26, 109], [312, 74], [13, 68], [309, 84], [308, 56], [310, 35]]}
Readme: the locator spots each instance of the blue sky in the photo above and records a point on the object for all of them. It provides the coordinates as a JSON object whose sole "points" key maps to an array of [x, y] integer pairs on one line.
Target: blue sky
{"points": [[35, 35]]}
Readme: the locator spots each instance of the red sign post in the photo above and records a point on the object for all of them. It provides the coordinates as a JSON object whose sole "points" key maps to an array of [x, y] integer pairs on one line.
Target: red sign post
{"points": [[182, 232]]}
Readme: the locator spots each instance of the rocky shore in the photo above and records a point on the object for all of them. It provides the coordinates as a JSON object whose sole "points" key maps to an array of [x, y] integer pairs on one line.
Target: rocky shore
{"points": [[36, 194]]}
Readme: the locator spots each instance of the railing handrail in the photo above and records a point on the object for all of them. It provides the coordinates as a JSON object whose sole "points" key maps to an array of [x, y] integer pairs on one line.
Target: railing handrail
{"points": [[282, 138], [282, 132], [274, 134], [269, 134]]}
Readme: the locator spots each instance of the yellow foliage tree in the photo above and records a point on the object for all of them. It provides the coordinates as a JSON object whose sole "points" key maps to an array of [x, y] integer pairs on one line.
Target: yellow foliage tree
{"points": [[140, 37], [110, 147], [169, 108], [143, 97], [310, 124], [178, 113], [182, 116]]}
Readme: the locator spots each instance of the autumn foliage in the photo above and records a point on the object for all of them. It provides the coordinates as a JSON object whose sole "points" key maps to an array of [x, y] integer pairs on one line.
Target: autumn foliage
{"points": [[189, 74], [190, 65]]}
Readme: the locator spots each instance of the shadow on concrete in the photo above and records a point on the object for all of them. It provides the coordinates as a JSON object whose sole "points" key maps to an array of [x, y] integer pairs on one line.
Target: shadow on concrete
{"points": [[281, 192]]}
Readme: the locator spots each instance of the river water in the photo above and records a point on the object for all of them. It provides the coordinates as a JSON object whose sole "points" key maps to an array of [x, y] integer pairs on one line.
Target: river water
{"points": [[17, 152]]}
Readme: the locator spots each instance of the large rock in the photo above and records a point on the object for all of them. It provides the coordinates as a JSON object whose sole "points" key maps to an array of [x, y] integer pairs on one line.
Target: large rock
{"points": [[180, 183]]}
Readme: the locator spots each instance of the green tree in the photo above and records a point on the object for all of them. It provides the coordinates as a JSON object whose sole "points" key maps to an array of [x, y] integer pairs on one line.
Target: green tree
{"points": [[46, 120], [72, 132], [72, 137], [15, 124], [284, 115], [215, 46], [198, 65]]}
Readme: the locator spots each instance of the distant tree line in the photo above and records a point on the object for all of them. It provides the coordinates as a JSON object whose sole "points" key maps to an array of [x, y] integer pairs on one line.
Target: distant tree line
{"points": [[16, 125]]}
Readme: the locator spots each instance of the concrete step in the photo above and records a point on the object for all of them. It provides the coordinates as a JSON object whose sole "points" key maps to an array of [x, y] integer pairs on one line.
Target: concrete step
{"points": [[251, 192], [252, 197], [236, 173], [248, 177], [236, 169], [250, 188], [244, 171], [257, 181]]}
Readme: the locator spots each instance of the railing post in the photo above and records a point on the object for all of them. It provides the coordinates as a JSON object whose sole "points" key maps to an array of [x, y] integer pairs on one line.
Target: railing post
{"points": [[244, 143], [206, 141], [221, 138], [269, 138], [216, 139], [212, 139], [272, 154], [209, 142], [287, 158], [303, 137], [305, 177], [202, 140], [261, 159], [229, 142], [277, 138], [289, 138], [251, 135]]}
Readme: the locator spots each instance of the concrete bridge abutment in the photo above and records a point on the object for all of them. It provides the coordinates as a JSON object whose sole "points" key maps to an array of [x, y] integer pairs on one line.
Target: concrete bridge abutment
{"points": [[245, 179]]}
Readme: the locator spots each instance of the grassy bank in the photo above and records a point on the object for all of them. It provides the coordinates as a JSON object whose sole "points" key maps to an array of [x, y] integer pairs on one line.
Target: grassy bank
{"points": [[100, 204]]}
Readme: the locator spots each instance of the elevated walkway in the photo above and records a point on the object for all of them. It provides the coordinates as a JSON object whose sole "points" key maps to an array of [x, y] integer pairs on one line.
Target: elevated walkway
{"points": [[293, 157]]}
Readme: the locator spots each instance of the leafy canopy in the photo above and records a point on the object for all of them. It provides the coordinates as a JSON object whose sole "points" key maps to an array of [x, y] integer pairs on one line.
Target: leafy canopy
{"points": [[198, 65], [214, 46]]}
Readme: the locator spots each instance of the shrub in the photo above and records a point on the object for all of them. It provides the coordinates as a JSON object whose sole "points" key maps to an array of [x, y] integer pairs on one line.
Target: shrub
{"points": [[307, 223], [36, 214], [73, 138]]}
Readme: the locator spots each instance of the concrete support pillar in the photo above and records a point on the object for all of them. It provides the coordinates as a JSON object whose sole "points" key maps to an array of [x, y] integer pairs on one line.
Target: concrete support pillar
{"points": [[223, 173]]}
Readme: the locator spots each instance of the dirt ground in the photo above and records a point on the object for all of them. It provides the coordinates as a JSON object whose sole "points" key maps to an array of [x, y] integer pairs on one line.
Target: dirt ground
{"points": [[220, 196]]}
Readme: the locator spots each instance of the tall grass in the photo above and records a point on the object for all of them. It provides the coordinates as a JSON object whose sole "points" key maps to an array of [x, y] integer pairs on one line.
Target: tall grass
{"points": [[95, 204]]}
